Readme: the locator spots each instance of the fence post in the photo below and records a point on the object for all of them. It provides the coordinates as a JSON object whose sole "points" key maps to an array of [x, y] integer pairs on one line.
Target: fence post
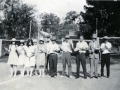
{"points": [[0, 47]]}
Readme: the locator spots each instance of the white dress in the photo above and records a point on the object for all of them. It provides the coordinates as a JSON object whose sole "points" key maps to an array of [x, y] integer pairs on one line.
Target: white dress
{"points": [[13, 56], [22, 56], [30, 56]]}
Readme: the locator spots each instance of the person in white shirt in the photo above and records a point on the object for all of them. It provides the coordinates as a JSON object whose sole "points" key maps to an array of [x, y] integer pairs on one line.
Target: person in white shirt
{"points": [[66, 56], [53, 49], [81, 47], [105, 57], [47, 66]]}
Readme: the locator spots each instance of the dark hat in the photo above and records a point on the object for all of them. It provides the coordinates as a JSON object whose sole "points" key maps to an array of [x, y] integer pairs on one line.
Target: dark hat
{"points": [[67, 37], [94, 36]]}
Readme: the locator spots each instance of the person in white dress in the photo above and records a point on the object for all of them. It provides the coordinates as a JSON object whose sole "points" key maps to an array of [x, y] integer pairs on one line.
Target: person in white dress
{"points": [[13, 58], [22, 57], [30, 57], [40, 62]]}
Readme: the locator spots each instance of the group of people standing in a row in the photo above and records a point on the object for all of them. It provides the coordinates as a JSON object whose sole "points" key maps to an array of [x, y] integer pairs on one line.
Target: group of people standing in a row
{"points": [[36, 57]]}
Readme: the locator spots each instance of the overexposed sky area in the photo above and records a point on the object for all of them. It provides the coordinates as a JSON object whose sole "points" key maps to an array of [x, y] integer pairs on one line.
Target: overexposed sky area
{"points": [[58, 7]]}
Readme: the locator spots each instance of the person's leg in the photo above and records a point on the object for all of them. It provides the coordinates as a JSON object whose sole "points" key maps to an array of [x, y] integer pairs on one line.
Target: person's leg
{"points": [[51, 64], [15, 70], [83, 62], [91, 67], [96, 67], [77, 65], [40, 71], [23, 70], [31, 70], [55, 65], [69, 64], [43, 71], [47, 65], [64, 63], [108, 65], [11, 70], [102, 64]]}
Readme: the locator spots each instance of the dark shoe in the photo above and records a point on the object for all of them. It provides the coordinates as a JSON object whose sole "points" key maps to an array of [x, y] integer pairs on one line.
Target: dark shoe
{"points": [[96, 77], [85, 77], [77, 77], [91, 77], [102, 75]]}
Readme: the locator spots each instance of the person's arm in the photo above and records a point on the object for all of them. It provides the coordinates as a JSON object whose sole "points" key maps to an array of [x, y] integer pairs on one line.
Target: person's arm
{"points": [[108, 48], [85, 46], [90, 48], [77, 47], [102, 47]]}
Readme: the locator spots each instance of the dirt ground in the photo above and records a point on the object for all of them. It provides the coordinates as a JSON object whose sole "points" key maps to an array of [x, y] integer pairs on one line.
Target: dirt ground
{"points": [[58, 83]]}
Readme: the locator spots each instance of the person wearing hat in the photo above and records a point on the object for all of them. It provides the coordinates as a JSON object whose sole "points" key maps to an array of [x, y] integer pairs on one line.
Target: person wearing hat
{"points": [[13, 58], [105, 57], [53, 50], [66, 56], [22, 57], [94, 50], [48, 43], [40, 62], [81, 47]]}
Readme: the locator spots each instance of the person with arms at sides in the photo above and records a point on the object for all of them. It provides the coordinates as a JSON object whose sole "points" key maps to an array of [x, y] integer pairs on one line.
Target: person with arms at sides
{"points": [[47, 65], [41, 57], [30, 57], [81, 47], [53, 50], [35, 47], [66, 56], [13, 58], [94, 51], [105, 57], [22, 57]]}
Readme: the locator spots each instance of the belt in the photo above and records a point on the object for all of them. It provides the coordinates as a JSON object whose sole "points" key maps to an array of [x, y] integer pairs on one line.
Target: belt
{"points": [[82, 51], [53, 53]]}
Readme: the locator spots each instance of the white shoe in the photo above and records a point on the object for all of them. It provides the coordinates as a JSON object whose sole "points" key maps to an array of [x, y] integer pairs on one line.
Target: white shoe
{"points": [[70, 77], [10, 75], [62, 76]]}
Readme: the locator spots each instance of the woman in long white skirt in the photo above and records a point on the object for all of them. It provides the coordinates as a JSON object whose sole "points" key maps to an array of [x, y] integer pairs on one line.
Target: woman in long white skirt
{"points": [[22, 57], [13, 58], [30, 57], [41, 57]]}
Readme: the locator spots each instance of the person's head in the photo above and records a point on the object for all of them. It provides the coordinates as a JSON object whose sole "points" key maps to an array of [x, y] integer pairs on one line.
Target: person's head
{"points": [[53, 40], [105, 38], [21, 42], [29, 42], [35, 42], [13, 41], [81, 38], [94, 37], [67, 38], [41, 41], [48, 38]]}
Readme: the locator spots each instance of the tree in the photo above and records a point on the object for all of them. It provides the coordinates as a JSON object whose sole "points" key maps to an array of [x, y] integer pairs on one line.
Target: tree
{"points": [[17, 19], [50, 23], [106, 14]]}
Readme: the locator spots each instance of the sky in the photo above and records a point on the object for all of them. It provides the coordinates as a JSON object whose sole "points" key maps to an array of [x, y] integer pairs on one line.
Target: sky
{"points": [[58, 7]]}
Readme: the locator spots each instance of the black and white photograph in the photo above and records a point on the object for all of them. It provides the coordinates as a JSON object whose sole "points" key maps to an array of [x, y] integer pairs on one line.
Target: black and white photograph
{"points": [[59, 44]]}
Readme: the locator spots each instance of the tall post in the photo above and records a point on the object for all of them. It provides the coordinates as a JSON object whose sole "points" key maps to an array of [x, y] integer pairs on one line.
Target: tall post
{"points": [[96, 26], [30, 30]]}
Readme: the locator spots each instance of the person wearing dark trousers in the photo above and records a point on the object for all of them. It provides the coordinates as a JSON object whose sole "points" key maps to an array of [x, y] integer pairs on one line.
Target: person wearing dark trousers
{"points": [[47, 66], [81, 47], [53, 49], [66, 56], [105, 57]]}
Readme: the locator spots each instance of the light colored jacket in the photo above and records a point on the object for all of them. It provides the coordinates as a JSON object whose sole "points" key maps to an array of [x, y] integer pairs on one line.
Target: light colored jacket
{"points": [[93, 53]]}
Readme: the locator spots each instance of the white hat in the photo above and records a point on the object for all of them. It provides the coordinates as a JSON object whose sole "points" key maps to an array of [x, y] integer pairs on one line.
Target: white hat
{"points": [[41, 39], [21, 41], [105, 37], [34, 40], [13, 39]]}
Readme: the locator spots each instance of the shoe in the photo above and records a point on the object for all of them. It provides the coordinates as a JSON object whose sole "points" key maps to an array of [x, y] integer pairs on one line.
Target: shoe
{"points": [[62, 76], [96, 77], [14, 75], [77, 77], [10, 75], [102, 75], [91, 77], [55, 76], [85, 77], [70, 77]]}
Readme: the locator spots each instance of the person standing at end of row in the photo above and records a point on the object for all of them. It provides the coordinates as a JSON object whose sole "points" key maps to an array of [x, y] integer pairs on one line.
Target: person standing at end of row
{"points": [[105, 58], [53, 58], [81, 47], [94, 51], [13, 58], [66, 56]]}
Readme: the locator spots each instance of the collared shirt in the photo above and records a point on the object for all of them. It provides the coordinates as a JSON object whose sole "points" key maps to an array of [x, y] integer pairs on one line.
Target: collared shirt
{"points": [[66, 47], [104, 49], [80, 46], [47, 46], [53, 48]]}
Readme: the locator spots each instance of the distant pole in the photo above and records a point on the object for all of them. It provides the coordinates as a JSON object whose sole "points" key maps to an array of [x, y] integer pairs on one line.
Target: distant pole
{"points": [[96, 26], [30, 30]]}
